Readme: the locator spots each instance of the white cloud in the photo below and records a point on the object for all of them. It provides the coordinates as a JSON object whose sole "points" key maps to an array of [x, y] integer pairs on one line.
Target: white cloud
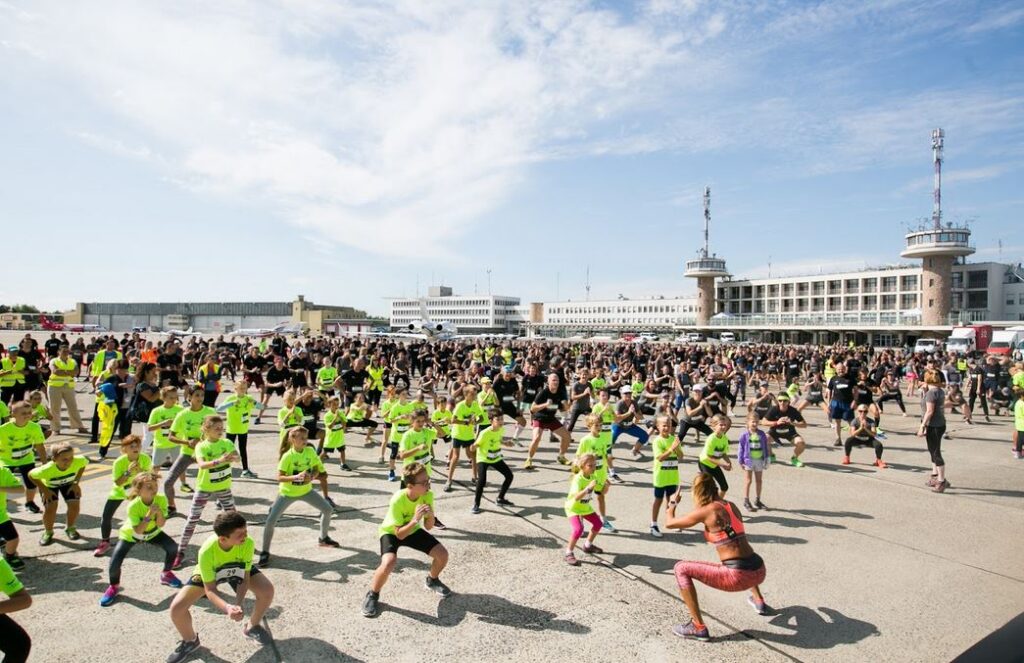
{"points": [[1004, 17]]}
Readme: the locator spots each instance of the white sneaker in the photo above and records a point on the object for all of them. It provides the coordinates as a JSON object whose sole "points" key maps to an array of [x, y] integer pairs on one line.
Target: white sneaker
{"points": [[655, 532]]}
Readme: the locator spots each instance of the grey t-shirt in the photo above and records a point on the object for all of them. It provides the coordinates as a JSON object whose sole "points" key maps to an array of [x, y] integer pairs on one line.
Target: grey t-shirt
{"points": [[938, 397]]}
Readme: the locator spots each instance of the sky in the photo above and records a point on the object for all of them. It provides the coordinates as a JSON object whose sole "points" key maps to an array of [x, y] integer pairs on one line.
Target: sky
{"points": [[352, 150]]}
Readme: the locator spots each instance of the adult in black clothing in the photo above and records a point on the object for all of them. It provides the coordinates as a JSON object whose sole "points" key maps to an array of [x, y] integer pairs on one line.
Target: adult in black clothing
{"points": [[299, 366], [33, 361], [169, 362], [695, 412], [145, 398], [354, 381], [52, 345], [782, 421], [548, 402], [252, 369], [840, 389], [579, 399], [506, 387]]}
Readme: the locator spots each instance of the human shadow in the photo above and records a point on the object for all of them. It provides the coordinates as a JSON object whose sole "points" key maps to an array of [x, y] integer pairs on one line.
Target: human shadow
{"points": [[302, 649], [828, 514], [655, 564], [971, 490], [44, 575], [492, 609], [512, 542], [791, 522], [810, 630], [1004, 644], [841, 469], [359, 562]]}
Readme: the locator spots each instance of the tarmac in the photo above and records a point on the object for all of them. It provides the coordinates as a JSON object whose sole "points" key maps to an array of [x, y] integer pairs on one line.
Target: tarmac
{"points": [[863, 564]]}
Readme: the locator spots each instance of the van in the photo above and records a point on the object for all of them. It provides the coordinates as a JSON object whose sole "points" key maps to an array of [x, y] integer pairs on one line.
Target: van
{"points": [[695, 337], [727, 337], [927, 345]]}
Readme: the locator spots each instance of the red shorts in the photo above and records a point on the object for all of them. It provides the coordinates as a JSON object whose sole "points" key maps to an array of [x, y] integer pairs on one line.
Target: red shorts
{"points": [[255, 379], [546, 425]]}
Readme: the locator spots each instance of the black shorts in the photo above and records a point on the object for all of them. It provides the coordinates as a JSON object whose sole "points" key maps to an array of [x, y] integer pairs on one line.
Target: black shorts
{"points": [[8, 531], [509, 410], [393, 449], [420, 540], [197, 580], [775, 435], [462, 444], [275, 390], [23, 470], [61, 491]]}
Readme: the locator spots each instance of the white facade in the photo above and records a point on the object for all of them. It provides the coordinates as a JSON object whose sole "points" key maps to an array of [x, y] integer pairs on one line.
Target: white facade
{"points": [[498, 314], [621, 314]]}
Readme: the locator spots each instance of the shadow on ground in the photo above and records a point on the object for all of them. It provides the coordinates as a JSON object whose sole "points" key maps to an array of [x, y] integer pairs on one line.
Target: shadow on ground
{"points": [[492, 609]]}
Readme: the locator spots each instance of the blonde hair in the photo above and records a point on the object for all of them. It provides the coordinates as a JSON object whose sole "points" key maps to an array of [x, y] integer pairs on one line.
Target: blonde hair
{"points": [[411, 471], [130, 439], [931, 376], [286, 439], [720, 418], [140, 480], [705, 490], [211, 421], [593, 420], [577, 465]]}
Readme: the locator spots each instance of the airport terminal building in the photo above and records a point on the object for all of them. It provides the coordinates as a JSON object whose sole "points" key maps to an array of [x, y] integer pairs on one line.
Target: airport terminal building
{"points": [[471, 314]]}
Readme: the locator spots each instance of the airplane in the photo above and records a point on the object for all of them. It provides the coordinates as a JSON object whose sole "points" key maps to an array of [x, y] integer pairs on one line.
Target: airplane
{"points": [[50, 325], [284, 329], [180, 333]]}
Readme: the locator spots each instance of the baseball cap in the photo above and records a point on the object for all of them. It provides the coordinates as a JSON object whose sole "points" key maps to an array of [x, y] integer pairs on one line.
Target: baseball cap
{"points": [[12, 348], [626, 390], [108, 392], [485, 380], [699, 387], [782, 397]]}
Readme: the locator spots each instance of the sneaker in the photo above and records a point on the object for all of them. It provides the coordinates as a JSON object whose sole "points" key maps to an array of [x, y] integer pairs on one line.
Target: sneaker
{"points": [[172, 511], [472, 480], [940, 487], [257, 633], [932, 481], [179, 561], [264, 559], [846, 460], [1016, 454], [331, 502], [345, 467], [760, 607], [438, 524], [837, 443], [616, 478], [571, 560], [607, 526], [328, 542], [15, 561], [774, 459], [248, 474], [655, 532], [391, 476], [796, 462], [501, 501], [370, 604], [475, 509], [438, 587], [109, 595], [170, 580], [760, 505], [166, 464], [46, 539], [591, 549], [72, 533], [183, 650], [748, 506], [880, 464], [187, 489], [691, 632], [562, 460], [447, 488], [33, 507], [527, 464], [637, 455], [101, 549]]}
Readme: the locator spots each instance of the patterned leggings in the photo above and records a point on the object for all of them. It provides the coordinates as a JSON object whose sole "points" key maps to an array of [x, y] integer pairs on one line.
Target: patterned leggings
{"points": [[199, 500], [717, 576]]}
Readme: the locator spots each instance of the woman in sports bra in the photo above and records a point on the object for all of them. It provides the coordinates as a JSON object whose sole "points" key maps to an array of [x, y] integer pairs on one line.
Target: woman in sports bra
{"points": [[741, 568]]}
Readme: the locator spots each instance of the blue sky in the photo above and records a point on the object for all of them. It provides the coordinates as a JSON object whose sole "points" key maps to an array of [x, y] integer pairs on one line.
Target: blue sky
{"points": [[344, 150]]}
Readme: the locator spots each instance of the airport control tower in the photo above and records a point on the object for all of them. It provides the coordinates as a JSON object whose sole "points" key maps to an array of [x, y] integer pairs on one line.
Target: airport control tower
{"points": [[706, 268], [938, 245]]}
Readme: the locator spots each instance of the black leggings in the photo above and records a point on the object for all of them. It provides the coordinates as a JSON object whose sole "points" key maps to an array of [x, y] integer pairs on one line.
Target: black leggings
{"points": [[717, 473], [933, 435], [892, 396], [686, 426], [481, 479], [1018, 440], [14, 641], [850, 441], [13, 394], [241, 441], [123, 547], [106, 522], [574, 415], [984, 402], [365, 423]]}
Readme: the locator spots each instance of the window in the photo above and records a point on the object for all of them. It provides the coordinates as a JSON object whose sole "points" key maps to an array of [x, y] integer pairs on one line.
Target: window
{"points": [[852, 285], [889, 285], [1021, 300], [850, 304], [889, 301], [834, 303], [1009, 301], [834, 287], [773, 291], [977, 299], [759, 292], [870, 303], [908, 301], [818, 304], [787, 290], [977, 278], [908, 282], [819, 287], [957, 280]]}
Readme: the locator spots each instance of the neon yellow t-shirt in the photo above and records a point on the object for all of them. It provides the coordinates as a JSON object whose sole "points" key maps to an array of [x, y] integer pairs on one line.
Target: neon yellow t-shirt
{"points": [[583, 507], [17, 443], [413, 438], [599, 447], [401, 418], [52, 476], [188, 425], [7, 480], [120, 468], [137, 510], [471, 413], [294, 462], [444, 419], [666, 472], [159, 415], [218, 477], [9, 583], [488, 445], [334, 424], [715, 446], [216, 565], [238, 410], [401, 511]]}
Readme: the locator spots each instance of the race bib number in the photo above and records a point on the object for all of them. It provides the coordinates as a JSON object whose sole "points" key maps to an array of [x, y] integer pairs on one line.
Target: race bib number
{"points": [[229, 572], [61, 481], [220, 473], [669, 464], [21, 453], [494, 455]]}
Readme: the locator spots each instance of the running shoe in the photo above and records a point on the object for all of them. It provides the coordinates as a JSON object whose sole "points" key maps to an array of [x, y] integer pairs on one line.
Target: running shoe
{"points": [[179, 561], [655, 532], [760, 607], [760, 505], [172, 511], [447, 488], [33, 507], [168, 579], [109, 595], [881, 435], [837, 443], [846, 460], [637, 455], [616, 478], [187, 489], [475, 509], [15, 561], [608, 527], [328, 542], [257, 633], [880, 464], [932, 480], [101, 549], [527, 464], [1016, 454], [571, 560], [562, 460], [691, 632], [264, 559], [72, 533], [391, 476], [331, 502], [46, 539], [438, 587], [248, 474], [183, 650], [166, 464], [501, 501], [940, 487], [345, 467], [438, 524], [591, 549], [748, 506], [370, 604], [796, 462]]}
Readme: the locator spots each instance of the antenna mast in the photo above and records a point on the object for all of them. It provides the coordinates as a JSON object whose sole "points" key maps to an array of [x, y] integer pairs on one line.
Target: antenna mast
{"points": [[707, 217], [588, 283], [937, 136]]}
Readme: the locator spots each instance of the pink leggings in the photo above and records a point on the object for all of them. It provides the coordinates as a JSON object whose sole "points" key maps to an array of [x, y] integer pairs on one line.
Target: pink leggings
{"points": [[577, 524], [717, 576]]}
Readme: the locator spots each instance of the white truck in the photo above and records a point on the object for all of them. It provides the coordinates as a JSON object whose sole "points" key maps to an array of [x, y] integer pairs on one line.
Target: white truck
{"points": [[927, 345], [1005, 342]]}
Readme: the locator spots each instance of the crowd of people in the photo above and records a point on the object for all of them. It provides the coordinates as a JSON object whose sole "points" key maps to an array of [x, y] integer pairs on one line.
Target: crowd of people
{"points": [[432, 410]]}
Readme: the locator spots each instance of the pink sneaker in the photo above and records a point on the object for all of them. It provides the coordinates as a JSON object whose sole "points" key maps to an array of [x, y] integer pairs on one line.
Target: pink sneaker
{"points": [[109, 595], [168, 578], [101, 549]]}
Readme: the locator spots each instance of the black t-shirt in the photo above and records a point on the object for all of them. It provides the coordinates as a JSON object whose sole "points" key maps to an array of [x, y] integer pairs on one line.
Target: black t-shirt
{"points": [[580, 388], [354, 381], [532, 386], [275, 375], [841, 389], [556, 397], [506, 390], [52, 347], [792, 369], [170, 365], [784, 429], [253, 364]]}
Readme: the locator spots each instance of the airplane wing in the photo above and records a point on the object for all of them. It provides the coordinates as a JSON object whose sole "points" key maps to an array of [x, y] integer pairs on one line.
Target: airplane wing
{"points": [[406, 335]]}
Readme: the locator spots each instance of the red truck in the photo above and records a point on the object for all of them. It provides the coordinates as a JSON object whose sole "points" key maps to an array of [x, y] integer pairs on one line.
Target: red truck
{"points": [[969, 338]]}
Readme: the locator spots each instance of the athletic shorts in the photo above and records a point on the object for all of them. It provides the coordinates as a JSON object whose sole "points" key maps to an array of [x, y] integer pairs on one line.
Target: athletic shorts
{"points": [[462, 444], [61, 491], [509, 410], [815, 400], [661, 492], [775, 435], [393, 448], [420, 540], [23, 470], [254, 379], [197, 580], [840, 410], [276, 390], [8, 531], [546, 425]]}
